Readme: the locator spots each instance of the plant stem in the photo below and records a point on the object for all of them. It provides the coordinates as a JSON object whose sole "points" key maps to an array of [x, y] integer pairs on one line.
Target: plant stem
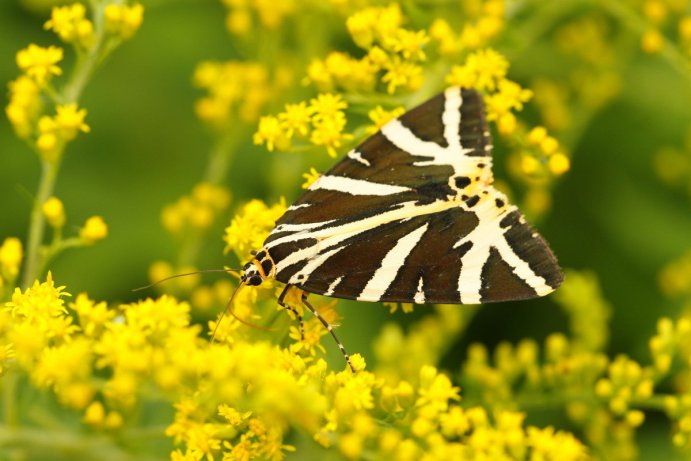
{"points": [[71, 92], [37, 222]]}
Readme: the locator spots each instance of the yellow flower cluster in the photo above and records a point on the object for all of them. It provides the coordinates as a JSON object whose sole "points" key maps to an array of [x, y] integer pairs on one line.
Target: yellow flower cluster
{"points": [[250, 227], [485, 20], [661, 16], [400, 355], [39, 65], [122, 20], [588, 312], [236, 90], [197, 211], [485, 70], [25, 107], [392, 59], [625, 383], [11, 254], [70, 23], [322, 123], [246, 15], [537, 161], [237, 400], [54, 132]]}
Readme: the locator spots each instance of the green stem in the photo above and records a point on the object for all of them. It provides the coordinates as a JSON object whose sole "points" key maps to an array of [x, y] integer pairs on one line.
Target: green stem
{"points": [[9, 399], [221, 155], [37, 223], [71, 92]]}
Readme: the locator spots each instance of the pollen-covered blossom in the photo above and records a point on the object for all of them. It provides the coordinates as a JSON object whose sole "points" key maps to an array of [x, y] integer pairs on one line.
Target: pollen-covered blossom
{"points": [[69, 22], [250, 227]]}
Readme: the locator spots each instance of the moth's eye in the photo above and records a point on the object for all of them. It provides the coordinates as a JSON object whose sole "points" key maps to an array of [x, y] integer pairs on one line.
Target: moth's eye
{"points": [[247, 267]]}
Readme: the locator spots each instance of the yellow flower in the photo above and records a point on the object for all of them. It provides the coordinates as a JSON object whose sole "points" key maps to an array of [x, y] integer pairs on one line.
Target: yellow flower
{"points": [[94, 229], [54, 211], [24, 105], [311, 176], [435, 389], [409, 44], [270, 132], [327, 106], [40, 63], [296, 119], [93, 317], [95, 414], [69, 120], [482, 70], [71, 25], [381, 117], [440, 31], [558, 164], [123, 20], [402, 73], [251, 225], [652, 41], [328, 132], [11, 255]]}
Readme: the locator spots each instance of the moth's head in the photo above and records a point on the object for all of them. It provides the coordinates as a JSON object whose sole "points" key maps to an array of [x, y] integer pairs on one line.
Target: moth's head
{"points": [[259, 269], [251, 274]]}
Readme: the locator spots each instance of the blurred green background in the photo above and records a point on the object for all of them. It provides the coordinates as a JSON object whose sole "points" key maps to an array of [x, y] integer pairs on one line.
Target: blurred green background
{"points": [[611, 213]]}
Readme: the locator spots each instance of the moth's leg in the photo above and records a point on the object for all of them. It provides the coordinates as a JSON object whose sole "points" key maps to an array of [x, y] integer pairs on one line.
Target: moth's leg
{"points": [[281, 302], [329, 327]]}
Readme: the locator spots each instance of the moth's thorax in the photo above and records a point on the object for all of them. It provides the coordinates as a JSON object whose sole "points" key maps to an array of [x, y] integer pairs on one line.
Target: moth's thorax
{"points": [[260, 268]]}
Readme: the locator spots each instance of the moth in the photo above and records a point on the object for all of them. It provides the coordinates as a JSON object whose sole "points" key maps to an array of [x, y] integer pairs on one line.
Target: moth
{"points": [[410, 215]]}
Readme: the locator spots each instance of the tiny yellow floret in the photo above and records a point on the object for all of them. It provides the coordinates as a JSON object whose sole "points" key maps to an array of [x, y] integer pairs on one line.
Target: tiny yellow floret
{"points": [[652, 41], [69, 22], [94, 229], [69, 120], [311, 176], [54, 212], [123, 20], [11, 255], [40, 63], [558, 164]]}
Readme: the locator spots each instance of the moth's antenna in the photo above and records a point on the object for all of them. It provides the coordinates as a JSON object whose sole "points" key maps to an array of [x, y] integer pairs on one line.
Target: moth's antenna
{"points": [[165, 279], [229, 308]]}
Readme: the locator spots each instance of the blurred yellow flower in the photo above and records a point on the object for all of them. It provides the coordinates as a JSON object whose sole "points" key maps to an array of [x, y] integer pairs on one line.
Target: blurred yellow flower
{"points": [[94, 229], [40, 63]]}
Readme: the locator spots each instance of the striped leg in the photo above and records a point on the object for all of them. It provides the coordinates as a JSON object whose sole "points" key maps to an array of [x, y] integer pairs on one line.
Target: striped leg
{"points": [[282, 303], [329, 327]]}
